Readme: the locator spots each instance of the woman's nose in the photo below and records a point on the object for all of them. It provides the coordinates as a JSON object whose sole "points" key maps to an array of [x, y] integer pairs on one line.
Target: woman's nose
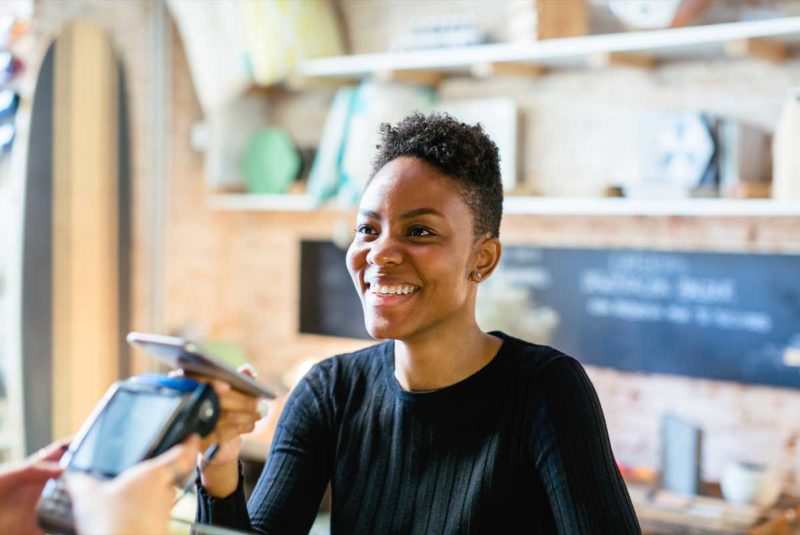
{"points": [[384, 251]]}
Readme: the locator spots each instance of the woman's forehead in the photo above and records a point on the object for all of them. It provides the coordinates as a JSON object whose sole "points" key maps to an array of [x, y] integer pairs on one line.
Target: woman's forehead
{"points": [[411, 184]]}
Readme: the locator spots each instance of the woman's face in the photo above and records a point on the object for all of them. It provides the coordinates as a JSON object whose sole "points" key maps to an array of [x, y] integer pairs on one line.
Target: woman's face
{"points": [[413, 252]]}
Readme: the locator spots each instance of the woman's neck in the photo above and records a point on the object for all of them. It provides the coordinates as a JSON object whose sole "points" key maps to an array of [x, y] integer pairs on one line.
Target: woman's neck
{"points": [[435, 360]]}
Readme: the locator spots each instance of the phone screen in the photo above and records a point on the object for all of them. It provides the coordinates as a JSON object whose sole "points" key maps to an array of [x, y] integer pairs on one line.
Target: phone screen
{"points": [[123, 432]]}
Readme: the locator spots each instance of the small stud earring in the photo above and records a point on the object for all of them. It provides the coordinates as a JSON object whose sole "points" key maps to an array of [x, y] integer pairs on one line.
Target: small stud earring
{"points": [[479, 275]]}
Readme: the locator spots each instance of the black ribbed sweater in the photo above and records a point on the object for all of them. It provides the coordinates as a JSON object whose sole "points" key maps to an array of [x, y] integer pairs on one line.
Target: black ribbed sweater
{"points": [[519, 447]]}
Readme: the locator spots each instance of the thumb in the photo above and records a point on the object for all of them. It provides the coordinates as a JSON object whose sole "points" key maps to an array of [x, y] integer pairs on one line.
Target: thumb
{"points": [[80, 484], [184, 455], [171, 466]]}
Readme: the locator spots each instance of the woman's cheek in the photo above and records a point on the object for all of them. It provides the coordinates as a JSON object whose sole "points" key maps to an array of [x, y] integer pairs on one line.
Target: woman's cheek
{"points": [[355, 258]]}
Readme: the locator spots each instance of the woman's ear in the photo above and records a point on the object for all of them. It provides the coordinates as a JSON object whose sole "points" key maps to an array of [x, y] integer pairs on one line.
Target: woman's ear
{"points": [[487, 255]]}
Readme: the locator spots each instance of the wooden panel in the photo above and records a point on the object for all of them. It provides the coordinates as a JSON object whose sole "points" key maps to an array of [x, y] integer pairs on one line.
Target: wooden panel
{"points": [[85, 212], [411, 77], [759, 48], [561, 18]]}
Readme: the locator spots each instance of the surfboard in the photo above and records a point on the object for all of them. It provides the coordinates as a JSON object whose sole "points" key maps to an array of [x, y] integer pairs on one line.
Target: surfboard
{"points": [[75, 243]]}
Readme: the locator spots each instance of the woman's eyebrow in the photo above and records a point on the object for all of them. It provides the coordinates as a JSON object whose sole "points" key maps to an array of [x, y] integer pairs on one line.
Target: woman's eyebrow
{"points": [[421, 211], [408, 215], [369, 214]]}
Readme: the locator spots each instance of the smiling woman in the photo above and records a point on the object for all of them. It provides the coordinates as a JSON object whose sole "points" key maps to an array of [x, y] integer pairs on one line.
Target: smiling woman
{"points": [[415, 232], [443, 428]]}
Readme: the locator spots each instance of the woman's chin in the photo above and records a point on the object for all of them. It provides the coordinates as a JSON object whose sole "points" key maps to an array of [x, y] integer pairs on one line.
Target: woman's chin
{"points": [[381, 329], [382, 333]]}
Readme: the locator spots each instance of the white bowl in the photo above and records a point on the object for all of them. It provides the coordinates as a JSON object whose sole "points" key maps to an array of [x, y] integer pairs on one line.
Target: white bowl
{"points": [[752, 484]]}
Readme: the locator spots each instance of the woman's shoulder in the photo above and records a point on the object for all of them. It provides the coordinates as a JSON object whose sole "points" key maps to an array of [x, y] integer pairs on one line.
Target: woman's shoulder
{"points": [[528, 355], [348, 367], [539, 363]]}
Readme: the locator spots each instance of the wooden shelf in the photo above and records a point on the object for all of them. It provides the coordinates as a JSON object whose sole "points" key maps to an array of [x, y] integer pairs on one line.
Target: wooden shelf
{"points": [[767, 38], [694, 42], [567, 206], [581, 206]]}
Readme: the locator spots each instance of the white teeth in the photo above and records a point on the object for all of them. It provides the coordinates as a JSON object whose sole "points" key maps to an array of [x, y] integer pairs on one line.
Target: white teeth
{"points": [[392, 290]]}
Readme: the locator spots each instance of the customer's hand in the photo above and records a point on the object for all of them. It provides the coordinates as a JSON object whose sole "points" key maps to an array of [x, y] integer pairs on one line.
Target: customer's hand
{"points": [[21, 485], [136, 502], [238, 416]]}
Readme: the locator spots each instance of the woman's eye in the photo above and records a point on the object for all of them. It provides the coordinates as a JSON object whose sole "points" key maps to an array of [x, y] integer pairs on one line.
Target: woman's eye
{"points": [[364, 229], [420, 231]]}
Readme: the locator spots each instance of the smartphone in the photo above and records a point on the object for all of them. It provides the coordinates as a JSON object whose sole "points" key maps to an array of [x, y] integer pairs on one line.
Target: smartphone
{"points": [[188, 356]]}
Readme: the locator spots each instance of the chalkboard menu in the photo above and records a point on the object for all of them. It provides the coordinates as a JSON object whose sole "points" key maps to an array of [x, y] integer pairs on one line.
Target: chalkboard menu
{"points": [[329, 303], [714, 315]]}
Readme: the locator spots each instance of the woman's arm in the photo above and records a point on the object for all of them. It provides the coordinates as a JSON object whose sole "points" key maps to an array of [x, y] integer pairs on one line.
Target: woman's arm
{"points": [[288, 494], [573, 455]]}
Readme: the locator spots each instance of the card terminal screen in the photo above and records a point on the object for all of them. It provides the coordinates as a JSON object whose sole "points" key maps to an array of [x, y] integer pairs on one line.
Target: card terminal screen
{"points": [[123, 432]]}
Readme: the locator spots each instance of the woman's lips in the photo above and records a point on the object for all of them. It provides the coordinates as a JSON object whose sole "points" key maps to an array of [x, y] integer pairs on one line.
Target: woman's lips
{"points": [[387, 298], [379, 300]]}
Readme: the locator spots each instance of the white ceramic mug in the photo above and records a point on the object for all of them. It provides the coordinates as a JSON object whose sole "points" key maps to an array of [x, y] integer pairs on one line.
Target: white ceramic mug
{"points": [[748, 483]]}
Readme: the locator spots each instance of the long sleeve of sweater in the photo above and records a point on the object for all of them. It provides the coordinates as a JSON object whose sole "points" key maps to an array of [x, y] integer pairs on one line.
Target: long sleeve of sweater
{"points": [[573, 455], [288, 493]]}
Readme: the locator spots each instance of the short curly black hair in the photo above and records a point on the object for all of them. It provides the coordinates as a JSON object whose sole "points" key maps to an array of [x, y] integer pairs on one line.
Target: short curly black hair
{"points": [[461, 151]]}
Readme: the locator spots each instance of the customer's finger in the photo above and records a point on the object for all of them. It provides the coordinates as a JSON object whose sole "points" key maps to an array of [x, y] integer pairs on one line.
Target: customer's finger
{"points": [[183, 460], [171, 466], [54, 450], [39, 472], [180, 459]]}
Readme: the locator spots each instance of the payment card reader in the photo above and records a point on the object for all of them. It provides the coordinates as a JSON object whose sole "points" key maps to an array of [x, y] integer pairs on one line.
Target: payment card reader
{"points": [[137, 419]]}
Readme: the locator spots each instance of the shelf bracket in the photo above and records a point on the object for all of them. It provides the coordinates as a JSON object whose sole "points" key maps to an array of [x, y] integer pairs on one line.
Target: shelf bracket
{"points": [[758, 48]]}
